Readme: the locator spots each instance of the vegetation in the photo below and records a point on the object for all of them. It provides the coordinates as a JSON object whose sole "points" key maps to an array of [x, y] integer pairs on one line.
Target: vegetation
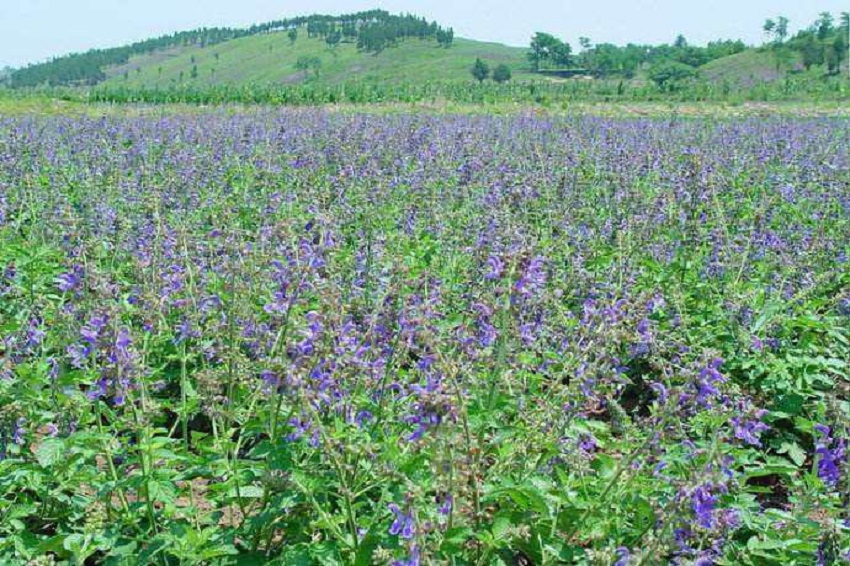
{"points": [[552, 94], [394, 328], [305, 337], [822, 44], [668, 75]]}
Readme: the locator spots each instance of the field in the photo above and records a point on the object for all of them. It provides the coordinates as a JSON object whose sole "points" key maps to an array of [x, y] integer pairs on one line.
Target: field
{"points": [[305, 336]]}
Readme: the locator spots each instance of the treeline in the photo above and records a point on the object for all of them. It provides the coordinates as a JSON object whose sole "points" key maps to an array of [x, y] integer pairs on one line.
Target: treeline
{"points": [[823, 43], [548, 53], [606, 59], [372, 30]]}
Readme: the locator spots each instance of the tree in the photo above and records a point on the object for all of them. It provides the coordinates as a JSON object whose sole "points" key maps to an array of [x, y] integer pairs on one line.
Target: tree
{"points": [[835, 54], [445, 37], [825, 25], [502, 73], [562, 54], [845, 32], [307, 64], [548, 48], [681, 42], [293, 35], [811, 50], [668, 74], [781, 29], [333, 38], [769, 28], [542, 45], [480, 70]]}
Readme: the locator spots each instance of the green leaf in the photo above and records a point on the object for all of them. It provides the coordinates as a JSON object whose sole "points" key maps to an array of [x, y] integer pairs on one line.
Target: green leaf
{"points": [[500, 527], [367, 548], [50, 451], [791, 404], [246, 491], [526, 498], [794, 452]]}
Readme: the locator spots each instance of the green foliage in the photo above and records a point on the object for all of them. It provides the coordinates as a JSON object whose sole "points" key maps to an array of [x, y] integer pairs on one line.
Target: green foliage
{"points": [[480, 70], [333, 38], [548, 51], [668, 75], [821, 44], [308, 64], [502, 73]]}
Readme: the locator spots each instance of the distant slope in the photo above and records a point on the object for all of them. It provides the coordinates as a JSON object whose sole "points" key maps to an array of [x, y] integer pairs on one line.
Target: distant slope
{"points": [[271, 59], [749, 67], [372, 30]]}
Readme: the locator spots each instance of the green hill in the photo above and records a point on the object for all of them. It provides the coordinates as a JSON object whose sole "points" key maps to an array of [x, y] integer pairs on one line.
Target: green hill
{"points": [[750, 67], [327, 49], [271, 58]]}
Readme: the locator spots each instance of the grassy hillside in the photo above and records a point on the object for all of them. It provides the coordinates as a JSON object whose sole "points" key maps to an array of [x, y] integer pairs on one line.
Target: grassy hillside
{"points": [[750, 67], [271, 58]]}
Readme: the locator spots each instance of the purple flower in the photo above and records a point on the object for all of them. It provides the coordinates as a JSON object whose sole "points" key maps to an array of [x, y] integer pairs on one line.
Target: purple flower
{"points": [[70, 280], [533, 278], [496, 267], [19, 431], [123, 342], [707, 381], [98, 390], [749, 430], [660, 391], [831, 455], [703, 503], [363, 417], [623, 556], [403, 524], [412, 560], [444, 504], [587, 443]]}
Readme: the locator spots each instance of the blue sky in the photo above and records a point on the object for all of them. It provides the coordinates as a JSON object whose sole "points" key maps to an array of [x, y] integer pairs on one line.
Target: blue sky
{"points": [[33, 30]]}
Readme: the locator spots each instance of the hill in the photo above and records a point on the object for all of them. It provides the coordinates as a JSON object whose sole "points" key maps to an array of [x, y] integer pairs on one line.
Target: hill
{"points": [[371, 45], [749, 67], [273, 59]]}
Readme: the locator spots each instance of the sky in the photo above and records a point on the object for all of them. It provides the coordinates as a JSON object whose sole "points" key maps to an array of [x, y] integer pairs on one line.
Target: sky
{"points": [[35, 30]]}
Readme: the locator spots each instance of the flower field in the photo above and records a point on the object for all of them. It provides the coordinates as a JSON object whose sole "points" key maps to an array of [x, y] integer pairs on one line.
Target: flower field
{"points": [[306, 337]]}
